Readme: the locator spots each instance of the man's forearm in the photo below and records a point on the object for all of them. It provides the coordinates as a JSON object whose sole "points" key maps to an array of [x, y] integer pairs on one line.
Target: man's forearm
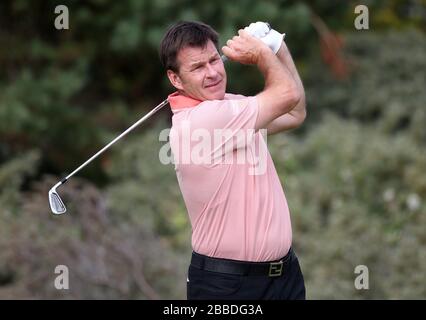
{"points": [[294, 117], [285, 58], [276, 72]]}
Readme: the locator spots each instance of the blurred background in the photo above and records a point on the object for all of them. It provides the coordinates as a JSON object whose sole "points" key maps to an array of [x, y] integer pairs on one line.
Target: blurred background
{"points": [[354, 173]]}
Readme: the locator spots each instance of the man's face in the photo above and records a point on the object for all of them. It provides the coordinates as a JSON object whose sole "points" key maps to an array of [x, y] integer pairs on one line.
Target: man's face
{"points": [[201, 73]]}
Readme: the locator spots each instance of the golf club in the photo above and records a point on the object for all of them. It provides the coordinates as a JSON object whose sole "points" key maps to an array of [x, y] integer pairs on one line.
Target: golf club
{"points": [[56, 204]]}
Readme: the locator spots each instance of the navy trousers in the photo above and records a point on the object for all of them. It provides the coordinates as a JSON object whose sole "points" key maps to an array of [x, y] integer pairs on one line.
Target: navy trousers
{"points": [[222, 279]]}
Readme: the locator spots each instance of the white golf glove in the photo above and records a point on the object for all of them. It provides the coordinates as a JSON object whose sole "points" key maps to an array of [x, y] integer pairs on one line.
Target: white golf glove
{"points": [[264, 32]]}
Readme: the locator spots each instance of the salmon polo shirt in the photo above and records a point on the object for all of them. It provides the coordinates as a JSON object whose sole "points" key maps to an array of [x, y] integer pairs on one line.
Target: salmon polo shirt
{"points": [[232, 192]]}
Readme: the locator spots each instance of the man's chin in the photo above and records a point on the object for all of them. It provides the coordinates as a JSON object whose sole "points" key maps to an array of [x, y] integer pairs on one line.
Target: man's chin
{"points": [[219, 96], [216, 95]]}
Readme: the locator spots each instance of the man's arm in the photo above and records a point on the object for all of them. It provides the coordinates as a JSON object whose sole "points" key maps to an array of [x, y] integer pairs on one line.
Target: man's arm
{"points": [[295, 117], [281, 93]]}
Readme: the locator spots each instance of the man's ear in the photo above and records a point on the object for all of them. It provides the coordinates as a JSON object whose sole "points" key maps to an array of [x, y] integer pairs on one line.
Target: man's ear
{"points": [[175, 79]]}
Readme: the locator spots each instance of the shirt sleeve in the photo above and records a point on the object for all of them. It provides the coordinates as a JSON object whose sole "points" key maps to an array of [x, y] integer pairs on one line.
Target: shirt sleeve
{"points": [[230, 123]]}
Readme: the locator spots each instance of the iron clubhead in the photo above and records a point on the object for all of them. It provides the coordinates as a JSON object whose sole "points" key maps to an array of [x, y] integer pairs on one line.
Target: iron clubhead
{"points": [[55, 201]]}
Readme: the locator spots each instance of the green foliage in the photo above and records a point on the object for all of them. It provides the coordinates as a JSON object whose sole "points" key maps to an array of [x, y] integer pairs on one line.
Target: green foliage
{"points": [[13, 174], [353, 173], [107, 257], [136, 194], [386, 88], [357, 198]]}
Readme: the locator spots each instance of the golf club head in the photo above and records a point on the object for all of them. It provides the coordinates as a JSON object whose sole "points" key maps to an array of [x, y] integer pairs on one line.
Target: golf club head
{"points": [[56, 204]]}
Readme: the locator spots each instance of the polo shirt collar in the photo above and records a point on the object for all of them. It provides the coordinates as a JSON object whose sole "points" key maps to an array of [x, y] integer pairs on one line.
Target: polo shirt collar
{"points": [[178, 101]]}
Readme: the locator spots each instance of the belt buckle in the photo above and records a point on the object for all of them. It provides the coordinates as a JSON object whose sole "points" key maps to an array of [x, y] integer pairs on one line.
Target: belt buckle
{"points": [[275, 269]]}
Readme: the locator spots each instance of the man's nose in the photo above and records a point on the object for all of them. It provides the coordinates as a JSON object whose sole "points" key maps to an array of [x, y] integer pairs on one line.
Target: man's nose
{"points": [[211, 71]]}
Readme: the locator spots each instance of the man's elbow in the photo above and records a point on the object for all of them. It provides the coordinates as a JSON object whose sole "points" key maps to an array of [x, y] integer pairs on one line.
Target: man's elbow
{"points": [[301, 118], [301, 113], [295, 97], [290, 98]]}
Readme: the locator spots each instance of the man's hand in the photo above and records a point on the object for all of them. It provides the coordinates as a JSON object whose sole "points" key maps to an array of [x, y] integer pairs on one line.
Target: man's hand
{"points": [[258, 29], [244, 48], [262, 30]]}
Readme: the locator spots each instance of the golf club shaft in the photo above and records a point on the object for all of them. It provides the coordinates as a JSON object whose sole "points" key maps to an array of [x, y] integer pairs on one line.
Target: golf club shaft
{"points": [[148, 115]]}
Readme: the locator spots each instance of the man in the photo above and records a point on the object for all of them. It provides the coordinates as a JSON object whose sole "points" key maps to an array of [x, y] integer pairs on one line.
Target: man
{"points": [[241, 229]]}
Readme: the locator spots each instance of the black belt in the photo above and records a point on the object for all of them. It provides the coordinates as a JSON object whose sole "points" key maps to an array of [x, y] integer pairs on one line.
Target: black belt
{"points": [[236, 267]]}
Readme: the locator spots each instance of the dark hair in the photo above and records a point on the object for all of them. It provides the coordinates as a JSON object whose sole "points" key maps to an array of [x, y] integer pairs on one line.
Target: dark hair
{"points": [[184, 34]]}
